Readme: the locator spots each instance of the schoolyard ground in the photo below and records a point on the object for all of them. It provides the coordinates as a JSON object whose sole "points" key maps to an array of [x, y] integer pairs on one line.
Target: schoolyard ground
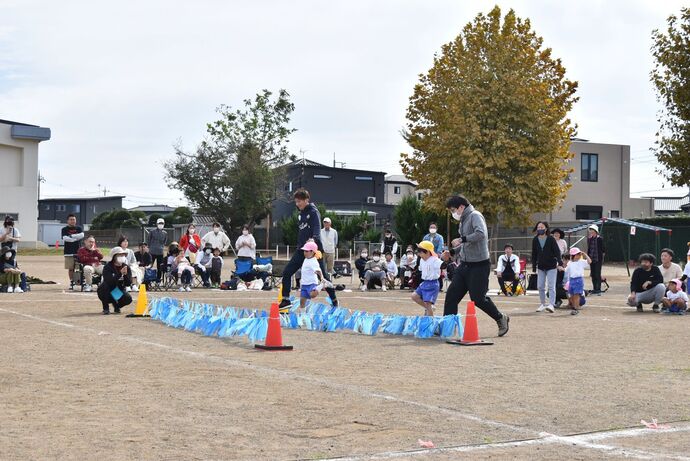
{"points": [[78, 385]]}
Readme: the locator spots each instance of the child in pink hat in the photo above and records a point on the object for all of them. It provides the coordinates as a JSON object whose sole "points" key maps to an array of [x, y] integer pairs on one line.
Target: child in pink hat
{"points": [[675, 301], [312, 280], [575, 273]]}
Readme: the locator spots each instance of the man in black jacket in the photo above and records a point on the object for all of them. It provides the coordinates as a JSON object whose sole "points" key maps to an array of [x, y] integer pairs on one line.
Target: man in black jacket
{"points": [[647, 284], [309, 228]]}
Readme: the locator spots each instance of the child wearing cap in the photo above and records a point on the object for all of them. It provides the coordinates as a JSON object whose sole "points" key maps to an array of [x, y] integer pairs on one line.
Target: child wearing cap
{"points": [[430, 265], [575, 273], [311, 281], [675, 301]]}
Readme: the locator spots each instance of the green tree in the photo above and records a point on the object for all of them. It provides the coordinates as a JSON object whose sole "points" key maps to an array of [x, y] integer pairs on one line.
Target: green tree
{"points": [[288, 225], [114, 219], [489, 120], [231, 174], [153, 218], [671, 77]]}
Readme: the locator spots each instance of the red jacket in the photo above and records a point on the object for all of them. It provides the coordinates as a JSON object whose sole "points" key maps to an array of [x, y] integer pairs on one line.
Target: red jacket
{"points": [[89, 257], [185, 243]]}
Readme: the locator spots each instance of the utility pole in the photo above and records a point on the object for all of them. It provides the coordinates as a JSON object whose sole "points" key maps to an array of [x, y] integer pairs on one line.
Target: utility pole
{"points": [[41, 179]]}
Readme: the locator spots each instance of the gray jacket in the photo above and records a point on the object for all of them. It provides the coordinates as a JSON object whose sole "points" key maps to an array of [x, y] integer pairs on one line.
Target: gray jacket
{"points": [[474, 234], [157, 240]]}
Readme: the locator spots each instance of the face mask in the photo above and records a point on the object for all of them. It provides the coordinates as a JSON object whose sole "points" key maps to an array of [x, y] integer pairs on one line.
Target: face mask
{"points": [[364, 255], [456, 215], [388, 236], [432, 230], [191, 231], [410, 254], [121, 259], [376, 258], [160, 226], [8, 255], [216, 230], [541, 231], [208, 252], [245, 232]]}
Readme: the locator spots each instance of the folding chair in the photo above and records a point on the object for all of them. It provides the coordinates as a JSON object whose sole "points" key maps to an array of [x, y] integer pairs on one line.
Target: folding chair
{"points": [[343, 269], [79, 276], [263, 261], [243, 270]]}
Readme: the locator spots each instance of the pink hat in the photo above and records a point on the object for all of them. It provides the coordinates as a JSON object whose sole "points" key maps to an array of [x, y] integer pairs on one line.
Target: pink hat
{"points": [[575, 251], [677, 282], [310, 246]]}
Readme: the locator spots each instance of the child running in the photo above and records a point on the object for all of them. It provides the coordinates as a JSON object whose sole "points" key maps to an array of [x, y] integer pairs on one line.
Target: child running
{"points": [[312, 280], [426, 293], [575, 273], [676, 301]]}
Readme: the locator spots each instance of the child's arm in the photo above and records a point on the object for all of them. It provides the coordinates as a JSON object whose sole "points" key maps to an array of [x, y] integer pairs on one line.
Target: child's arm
{"points": [[589, 260], [319, 275]]}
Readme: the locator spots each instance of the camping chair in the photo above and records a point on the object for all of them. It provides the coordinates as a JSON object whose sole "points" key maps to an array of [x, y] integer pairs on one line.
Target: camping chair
{"points": [[79, 276], [243, 270], [343, 269], [263, 261]]}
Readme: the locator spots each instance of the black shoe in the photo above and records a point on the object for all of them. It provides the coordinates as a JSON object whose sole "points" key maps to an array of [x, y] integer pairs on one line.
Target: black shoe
{"points": [[116, 310], [574, 312], [558, 303], [106, 312], [335, 302], [503, 325], [284, 306], [655, 308], [639, 307]]}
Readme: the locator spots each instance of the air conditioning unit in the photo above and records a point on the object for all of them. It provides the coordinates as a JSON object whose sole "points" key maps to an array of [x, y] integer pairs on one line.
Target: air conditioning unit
{"points": [[371, 199]]}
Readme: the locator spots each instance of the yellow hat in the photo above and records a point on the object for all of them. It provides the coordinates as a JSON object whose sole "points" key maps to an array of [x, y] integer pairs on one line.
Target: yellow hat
{"points": [[428, 246]]}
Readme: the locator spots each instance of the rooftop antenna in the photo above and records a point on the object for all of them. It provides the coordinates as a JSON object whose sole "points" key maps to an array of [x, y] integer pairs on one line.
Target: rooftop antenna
{"points": [[335, 164]]}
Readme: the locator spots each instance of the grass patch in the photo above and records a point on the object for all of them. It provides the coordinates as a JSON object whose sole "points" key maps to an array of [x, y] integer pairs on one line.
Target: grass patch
{"points": [[40, 252]]}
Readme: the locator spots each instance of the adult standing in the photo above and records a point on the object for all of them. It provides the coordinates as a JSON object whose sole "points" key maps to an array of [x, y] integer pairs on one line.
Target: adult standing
{"points": [[557, 234], [72, 235], [10, 235], [158, 239], [190, 243], [116, 278], [329, 239], [669, 269], [217, 238], [545, 258], [246, 245], [595, 251], [309, 228], [389, 244], [435, 238], [472, 253]]}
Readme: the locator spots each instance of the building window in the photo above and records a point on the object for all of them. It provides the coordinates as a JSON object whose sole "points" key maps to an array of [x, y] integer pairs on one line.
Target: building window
{"points": [[46, 207], [420, 195], [396, 190], [588, 212], [364, 178], [322, 176], [75, 208], [614, 214], [60, 207], [590, 167]]}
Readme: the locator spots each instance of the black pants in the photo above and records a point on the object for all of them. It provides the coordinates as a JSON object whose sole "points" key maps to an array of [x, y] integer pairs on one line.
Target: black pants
{"points": [[159, 260], [472, 278], [107, 299], [595, 272], [508, 277], [293, 266]]}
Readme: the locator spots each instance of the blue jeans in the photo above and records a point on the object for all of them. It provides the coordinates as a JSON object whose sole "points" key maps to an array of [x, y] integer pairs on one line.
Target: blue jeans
{"points": [[542, 277]]}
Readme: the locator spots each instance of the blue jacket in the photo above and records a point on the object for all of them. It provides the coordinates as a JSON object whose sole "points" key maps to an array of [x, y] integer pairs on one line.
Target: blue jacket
{"points": [[437, 240], [309, 226]]}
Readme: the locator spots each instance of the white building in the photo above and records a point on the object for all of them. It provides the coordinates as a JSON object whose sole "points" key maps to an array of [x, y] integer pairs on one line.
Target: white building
{"points": [[397, 187], [19, 176]]}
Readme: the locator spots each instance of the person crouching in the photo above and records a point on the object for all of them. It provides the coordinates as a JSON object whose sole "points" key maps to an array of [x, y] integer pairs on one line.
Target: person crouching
{"points": [[426, 293], [116, 277]]}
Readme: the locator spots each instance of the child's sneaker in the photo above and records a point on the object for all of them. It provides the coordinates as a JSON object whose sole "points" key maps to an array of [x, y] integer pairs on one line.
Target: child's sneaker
{"points": [[10, 290], [135, 288], [188, 288], [574, 312], [180, 289], [383, 287], [364, 288], [129, 289], [18, 290], [326, 284]]}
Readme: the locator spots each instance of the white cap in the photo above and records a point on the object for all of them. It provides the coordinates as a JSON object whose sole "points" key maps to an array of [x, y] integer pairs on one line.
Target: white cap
{"points": [[160, 221], [595, 228], [328, 220]]}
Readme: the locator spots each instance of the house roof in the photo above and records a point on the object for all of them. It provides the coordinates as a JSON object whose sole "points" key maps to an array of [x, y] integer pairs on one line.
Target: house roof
{"points": [[305, 162], [152, 208], [10, 122], [311, 163], [399, 179], [670, 203], [75, 199]]}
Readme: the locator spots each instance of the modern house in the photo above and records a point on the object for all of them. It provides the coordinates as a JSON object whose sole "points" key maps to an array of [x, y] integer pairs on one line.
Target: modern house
{"points": [[670, 206], [19, 175], [84, 208], [148, 210], [397, 187]]}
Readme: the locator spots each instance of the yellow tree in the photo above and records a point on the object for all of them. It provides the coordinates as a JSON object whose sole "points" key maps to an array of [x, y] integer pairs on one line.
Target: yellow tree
{"points": [[490, 120]]}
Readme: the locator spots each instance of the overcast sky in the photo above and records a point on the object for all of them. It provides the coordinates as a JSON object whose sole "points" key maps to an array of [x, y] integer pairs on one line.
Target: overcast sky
{"points": [[119, 83]]}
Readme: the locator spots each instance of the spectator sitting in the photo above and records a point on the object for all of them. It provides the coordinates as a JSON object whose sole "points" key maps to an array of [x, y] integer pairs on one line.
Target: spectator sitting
{"points": [[669, 269], [203, 264], [10, 235], [508, 270], [391, 270], [90, 257], [408, 261], [647, 284], [361, 262], [137, 274], [116, 277], [190, 243], [676, 301], [246, 245], [448, 264], [374, 272], [10, 274], [145, 262], [216, 268], [181, 267], [435, 238], [217, 239]]}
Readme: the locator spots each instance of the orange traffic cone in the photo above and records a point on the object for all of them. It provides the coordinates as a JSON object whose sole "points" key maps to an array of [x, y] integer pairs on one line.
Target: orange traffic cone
{"points": [[274, 335], [470, 336]]}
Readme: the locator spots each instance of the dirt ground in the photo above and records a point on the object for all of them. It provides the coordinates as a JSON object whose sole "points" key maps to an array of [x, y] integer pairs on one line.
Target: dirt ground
{"points": [[78, 385]]}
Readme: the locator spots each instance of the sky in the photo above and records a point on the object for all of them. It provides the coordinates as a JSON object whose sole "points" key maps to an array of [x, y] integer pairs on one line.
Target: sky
{"points": [[119, 83]]}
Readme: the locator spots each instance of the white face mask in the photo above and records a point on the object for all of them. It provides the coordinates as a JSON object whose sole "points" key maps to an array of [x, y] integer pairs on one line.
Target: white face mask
{"points": [[432, 230], [208, 252], [364, 255], [160, 226], [216, 230], [410, 254], [376, 258], [456, 215], [121, 259], [8, 255], [245, 232]]}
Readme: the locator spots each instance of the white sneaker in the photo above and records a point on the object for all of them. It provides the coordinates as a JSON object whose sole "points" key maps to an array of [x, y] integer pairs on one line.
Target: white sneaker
{"points": [[550, 308], [135, 288], [189, 288], [318, 288], [180, 289], [128, 289], [10, 290], [364, 288], [327, 284], [541, 308], [88, 288], [383, 287], [18, 290]]}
